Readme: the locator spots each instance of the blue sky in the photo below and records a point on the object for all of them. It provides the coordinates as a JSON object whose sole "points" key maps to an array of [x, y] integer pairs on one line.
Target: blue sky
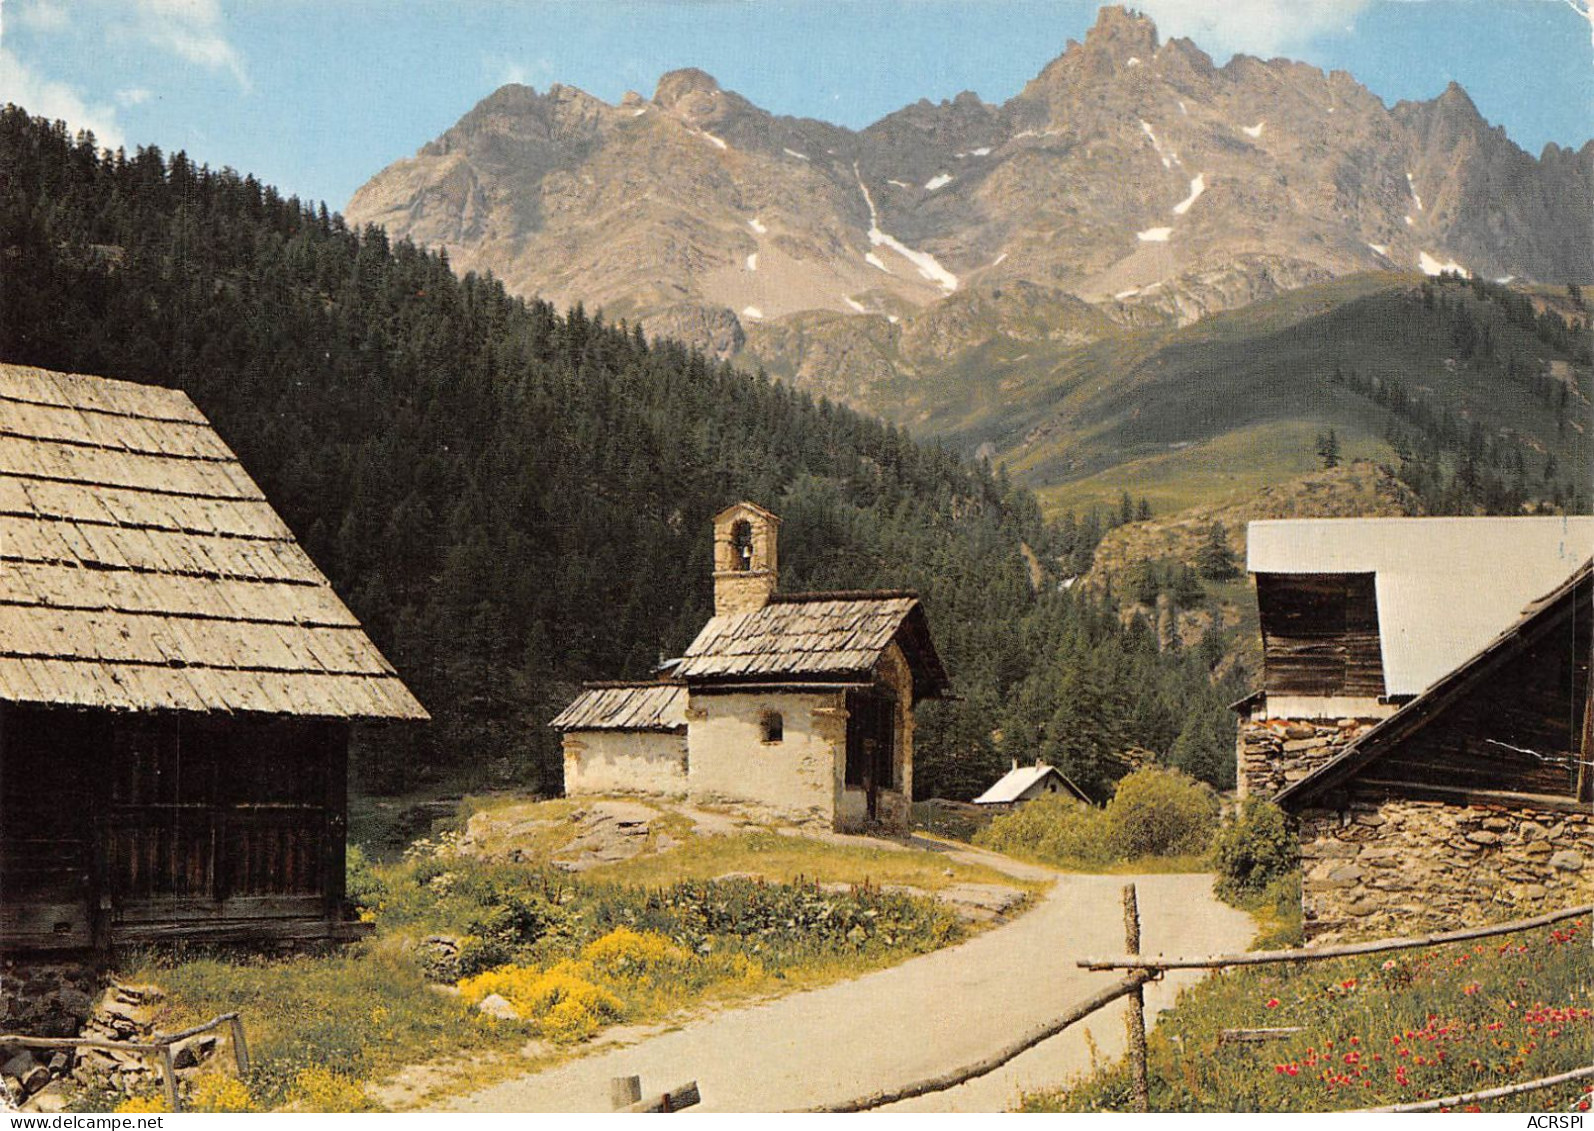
{"points": [[317, 95]]}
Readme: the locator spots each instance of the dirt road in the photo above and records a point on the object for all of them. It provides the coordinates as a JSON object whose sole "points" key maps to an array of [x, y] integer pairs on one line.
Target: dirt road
{"points": [[926, 1016]]}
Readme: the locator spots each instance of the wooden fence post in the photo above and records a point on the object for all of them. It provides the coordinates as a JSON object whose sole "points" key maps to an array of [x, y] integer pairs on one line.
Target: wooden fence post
{"points": [[1137, 1005], [624, 1091], [240, 1047], [169, 1075]]}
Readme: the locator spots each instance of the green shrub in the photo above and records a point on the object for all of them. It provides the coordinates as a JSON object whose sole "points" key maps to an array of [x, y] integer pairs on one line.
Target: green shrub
{"points": [[362, 886], [1160, 812], [1254, 850], [1052, 828]]}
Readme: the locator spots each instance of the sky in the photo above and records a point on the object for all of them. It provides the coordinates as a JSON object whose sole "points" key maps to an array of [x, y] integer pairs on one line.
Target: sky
{"points": [[316, 96]]}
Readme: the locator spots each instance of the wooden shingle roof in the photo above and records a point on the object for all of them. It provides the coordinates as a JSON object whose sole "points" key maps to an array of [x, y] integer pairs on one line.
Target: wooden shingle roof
{"points": [[812, 636], [142, 569], [626, 706]]}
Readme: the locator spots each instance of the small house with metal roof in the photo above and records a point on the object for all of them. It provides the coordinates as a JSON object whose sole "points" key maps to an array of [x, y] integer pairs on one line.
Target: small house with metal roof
{"points": [[1026, 783], [799, 706], [178, 683]]}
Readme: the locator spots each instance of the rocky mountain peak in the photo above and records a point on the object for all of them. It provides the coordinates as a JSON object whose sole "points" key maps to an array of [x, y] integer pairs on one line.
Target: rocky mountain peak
{"points": [[679, 85], [1123, 33], [1134, 181]]}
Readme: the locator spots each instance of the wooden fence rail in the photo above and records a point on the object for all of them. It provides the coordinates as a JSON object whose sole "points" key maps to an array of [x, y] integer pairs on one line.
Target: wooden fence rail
{"points": [[1490, 1093], [1309, 954], [159, 1045], [1148, 968], [952, 1079]]}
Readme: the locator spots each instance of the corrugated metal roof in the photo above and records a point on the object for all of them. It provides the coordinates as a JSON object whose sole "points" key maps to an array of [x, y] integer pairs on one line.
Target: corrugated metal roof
{"points": [[142, 569], [1445, 586], [1011, 785], [810, 635], [625, 706]]}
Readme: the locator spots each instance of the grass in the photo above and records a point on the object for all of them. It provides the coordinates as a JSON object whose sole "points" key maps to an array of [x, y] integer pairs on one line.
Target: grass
{"points": [[636, 942], [357, 1013], [1225, 469], [784, 859], [1376, 1029]]}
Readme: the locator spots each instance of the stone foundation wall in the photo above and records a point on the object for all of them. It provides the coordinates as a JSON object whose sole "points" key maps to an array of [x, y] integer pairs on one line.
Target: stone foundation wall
{"points": [[1399, 867], [1274, 753]]}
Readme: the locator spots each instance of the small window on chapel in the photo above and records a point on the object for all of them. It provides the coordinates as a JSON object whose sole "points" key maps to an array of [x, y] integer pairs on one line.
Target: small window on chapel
{"points": [[742, 545], [772, 726]]}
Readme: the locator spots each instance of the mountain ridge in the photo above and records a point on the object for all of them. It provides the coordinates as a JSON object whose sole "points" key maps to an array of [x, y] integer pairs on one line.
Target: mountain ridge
{"points": [[1128, 173]]}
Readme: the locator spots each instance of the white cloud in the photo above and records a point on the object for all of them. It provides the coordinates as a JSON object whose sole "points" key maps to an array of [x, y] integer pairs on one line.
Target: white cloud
{"points": [[47, 98], [133, 96], [1252, 27], [41, 15], [192, 30]]}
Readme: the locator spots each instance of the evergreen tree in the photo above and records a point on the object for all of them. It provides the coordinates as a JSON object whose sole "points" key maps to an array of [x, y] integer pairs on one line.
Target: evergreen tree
{"points": [[1215, 559], [1328, 449]]}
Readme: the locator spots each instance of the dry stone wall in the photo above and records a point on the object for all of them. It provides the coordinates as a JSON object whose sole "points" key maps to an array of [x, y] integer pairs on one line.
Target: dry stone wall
{"points": [[1274, 753], [1399, 866]]}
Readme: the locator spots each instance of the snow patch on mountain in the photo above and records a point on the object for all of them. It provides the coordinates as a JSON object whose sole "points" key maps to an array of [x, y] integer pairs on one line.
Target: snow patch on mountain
{"points": [[1412, 185], [1154, 235], [1197, 187], [752, 262], [855, 304], [1169, 157], [922, 260], [752, 312], [1253, 131], [757, 225], [940, 180], [794, 153], [1432, 266]]}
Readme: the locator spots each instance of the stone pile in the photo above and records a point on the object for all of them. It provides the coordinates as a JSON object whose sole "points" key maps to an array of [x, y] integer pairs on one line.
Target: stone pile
{"points": [[124, 1013]]}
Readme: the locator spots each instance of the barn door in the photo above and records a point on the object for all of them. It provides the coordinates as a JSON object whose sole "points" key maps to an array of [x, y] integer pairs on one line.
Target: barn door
{"points": [[160, 833]]}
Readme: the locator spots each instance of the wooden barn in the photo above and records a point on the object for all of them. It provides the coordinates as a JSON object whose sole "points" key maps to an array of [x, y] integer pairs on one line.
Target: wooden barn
{"points": [[178, 683], [1361, 615], [1473, 800]]}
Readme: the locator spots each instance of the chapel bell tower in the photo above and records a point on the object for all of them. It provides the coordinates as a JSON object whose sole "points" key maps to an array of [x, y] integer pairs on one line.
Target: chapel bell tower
{"points": [[746, 565]]}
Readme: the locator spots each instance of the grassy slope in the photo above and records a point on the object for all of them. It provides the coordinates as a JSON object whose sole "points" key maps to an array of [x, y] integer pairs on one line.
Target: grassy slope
{"points": [[1376, 1029], [762, 852], [1206, 413]]}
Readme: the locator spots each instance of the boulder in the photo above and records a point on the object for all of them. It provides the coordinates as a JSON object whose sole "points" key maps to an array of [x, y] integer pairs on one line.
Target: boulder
{"points": [[495, 1005], [1567, 861]]}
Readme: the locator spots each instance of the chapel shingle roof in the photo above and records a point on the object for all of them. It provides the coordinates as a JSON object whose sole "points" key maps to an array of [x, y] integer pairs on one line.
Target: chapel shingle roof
{"points": [[626, 706], [816, 636]]}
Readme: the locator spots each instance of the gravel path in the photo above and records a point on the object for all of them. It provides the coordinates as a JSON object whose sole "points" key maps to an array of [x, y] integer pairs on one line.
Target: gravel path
{"points": [[925, 1016]]}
